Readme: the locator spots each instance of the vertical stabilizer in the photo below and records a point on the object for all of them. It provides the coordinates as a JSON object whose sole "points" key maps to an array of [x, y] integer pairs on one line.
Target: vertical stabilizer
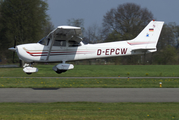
{"points": [[148, 37]]}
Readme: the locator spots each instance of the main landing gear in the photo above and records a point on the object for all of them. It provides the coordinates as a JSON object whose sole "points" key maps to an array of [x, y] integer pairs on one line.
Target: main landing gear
{"points": [[63, 67]]}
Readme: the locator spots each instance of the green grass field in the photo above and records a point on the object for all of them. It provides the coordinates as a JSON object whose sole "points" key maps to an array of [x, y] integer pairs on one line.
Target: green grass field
{"points": [[89, 111], [86, 83], [90, 71], [98, 71]]}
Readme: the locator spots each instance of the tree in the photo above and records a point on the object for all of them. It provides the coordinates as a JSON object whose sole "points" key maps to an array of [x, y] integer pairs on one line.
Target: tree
{"points": [[76, 23], [1, 25], [167, 45], [48, 28], [168, 36], [93, 34], [124, 23], [23, 21], [166, 56]]}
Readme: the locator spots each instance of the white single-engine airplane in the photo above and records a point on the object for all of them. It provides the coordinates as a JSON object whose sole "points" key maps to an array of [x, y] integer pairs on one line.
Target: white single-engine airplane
{"points": [[64, 44]]}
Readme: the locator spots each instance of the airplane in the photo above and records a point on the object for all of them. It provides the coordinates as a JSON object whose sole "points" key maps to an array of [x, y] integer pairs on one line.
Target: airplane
{"points": [[65, 44]]}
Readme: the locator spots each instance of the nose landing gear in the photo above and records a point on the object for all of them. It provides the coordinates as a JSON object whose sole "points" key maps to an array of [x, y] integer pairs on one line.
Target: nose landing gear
{"points": [[28, 69]]}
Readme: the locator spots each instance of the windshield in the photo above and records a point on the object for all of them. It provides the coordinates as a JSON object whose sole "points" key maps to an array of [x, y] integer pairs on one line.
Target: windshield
{"points": [[44, 41]]}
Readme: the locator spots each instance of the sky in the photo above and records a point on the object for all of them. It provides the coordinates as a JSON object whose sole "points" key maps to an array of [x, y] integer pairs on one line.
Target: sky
{"points": [[92, 11]]}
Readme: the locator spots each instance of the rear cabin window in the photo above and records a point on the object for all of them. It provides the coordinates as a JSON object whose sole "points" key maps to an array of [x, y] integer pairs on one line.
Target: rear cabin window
{"points": [[73, 43], [61, 43]]}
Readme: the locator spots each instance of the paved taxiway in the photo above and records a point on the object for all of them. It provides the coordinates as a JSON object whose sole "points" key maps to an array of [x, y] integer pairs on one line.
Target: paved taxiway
{"points": [[32, 95]]}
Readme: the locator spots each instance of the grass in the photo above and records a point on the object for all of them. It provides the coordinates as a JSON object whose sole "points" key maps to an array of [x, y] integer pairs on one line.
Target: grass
{"points": [[90, 71], [99, 71], [89, 111], [86, 83]]}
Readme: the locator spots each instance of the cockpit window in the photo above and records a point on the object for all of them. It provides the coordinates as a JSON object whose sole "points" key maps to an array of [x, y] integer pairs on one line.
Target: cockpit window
{"points": [[73, 43], [60, 43], [44, 41]]}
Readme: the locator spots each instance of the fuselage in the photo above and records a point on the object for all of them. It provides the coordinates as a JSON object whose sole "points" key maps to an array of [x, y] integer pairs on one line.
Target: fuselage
{"points": [[36, 52], [65, 44]]}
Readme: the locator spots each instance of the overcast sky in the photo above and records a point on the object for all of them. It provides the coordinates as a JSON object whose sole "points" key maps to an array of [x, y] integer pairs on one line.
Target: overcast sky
{"points": [[92, 11]]}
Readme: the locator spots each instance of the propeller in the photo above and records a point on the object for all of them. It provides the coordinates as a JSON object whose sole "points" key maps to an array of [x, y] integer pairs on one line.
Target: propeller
{"points": [[14, 51]]}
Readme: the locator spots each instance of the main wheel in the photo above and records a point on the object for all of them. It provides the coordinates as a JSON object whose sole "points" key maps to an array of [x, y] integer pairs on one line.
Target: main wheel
{"points": [[60, 71], [28, 73]]}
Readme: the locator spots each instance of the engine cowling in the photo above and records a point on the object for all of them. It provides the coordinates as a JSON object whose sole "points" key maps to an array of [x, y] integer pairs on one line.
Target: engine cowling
{"points": [[62, 67]]}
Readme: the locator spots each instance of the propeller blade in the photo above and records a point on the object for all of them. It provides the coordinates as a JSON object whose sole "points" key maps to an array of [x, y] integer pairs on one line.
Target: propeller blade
{"points": [[15, 43], [13, 56], [12, 49]]}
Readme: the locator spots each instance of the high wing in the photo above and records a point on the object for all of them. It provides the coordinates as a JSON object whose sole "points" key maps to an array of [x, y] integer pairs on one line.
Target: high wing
{"points": [[64, 33]]}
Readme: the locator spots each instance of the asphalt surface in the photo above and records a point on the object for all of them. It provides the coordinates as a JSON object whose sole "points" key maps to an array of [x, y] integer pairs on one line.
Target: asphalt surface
{"points": [[36, 95]]}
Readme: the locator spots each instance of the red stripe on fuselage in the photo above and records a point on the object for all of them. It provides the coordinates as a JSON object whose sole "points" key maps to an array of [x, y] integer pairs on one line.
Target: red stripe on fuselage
{"points": [[57, 53], [139, 43]]}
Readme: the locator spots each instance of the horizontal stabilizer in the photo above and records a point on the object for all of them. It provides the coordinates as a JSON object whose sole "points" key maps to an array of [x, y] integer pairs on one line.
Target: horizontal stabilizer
{"points": [[137, 49]]}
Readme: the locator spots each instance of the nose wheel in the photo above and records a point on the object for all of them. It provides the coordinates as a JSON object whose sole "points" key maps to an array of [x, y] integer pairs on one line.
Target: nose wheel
{"points": [[29, 69]]}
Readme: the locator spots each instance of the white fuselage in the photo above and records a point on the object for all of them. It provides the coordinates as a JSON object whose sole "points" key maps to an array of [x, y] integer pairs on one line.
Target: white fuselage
{"points": [[62, 44], [37, 52]]}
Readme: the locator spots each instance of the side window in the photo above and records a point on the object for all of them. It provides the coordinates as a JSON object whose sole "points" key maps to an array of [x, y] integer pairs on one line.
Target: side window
{"points": [[61, 43], [73, 43]]}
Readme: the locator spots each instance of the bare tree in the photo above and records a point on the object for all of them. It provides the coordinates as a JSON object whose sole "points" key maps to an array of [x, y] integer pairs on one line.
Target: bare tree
{"points": [[93, 34], [48, 28], [125, 21], [167, 36], [77, 23], [168, 45]]}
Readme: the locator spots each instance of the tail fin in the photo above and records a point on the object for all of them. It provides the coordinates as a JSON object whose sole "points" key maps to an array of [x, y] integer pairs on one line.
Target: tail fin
{"points": [[148, 37]]}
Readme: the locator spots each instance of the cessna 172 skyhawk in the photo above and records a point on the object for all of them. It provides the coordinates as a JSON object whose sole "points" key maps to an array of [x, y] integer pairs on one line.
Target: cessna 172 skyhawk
{"points": [[64, 44]]}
